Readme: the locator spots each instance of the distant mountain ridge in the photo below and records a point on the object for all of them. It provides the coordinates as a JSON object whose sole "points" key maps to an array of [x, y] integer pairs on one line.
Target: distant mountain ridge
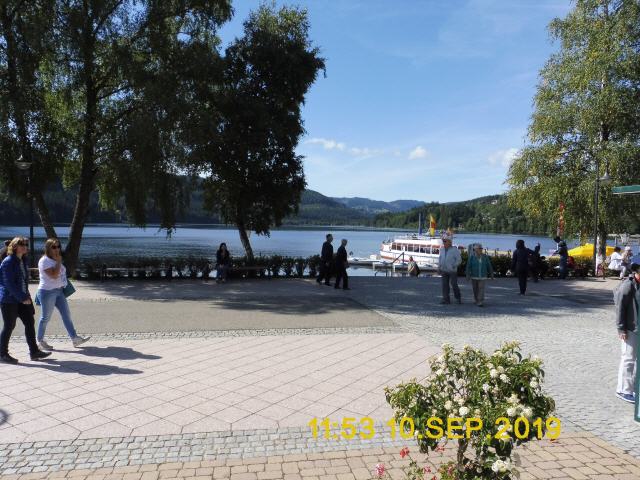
{"points": [[375, 207]]}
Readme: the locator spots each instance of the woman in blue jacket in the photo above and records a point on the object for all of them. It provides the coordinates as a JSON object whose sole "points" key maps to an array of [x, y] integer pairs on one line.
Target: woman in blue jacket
{"points": [[15, 300], [479, 268]]}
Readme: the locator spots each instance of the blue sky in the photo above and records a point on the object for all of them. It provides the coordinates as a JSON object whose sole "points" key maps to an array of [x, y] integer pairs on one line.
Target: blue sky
{"points": [[425, 100]]}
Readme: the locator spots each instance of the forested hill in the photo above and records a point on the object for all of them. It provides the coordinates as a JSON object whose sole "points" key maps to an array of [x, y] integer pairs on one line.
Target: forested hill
{"points": [[314, 209], [484, 214]]}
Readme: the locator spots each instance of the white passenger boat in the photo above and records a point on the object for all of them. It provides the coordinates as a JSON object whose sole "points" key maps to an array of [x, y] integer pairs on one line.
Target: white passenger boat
{"points": [[425, 250]]}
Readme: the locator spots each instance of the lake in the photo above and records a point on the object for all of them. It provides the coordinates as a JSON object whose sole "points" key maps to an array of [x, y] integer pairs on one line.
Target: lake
{"points": [[202, 241]]}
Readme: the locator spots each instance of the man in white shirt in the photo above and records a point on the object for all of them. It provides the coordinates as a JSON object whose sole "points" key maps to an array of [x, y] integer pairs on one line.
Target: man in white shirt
{"points": [[615, 263], [448, 267]]}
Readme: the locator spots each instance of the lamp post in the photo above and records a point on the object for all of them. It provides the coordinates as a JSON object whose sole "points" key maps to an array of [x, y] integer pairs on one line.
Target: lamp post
{"points": [[25, 166], [604, 180]]}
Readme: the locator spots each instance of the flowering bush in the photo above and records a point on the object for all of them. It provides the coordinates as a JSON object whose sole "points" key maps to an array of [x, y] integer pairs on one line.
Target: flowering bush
{"points": [[464, 386]]}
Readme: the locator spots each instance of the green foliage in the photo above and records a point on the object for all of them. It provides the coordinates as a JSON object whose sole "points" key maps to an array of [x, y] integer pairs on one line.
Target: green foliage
{"points": [[254, 176], [586, 121], [471, 384], [484, 214]]}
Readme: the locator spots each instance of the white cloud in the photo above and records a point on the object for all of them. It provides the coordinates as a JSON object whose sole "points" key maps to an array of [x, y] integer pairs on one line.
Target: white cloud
{"points": [[328, 144], [418, 152], [503, 157]]}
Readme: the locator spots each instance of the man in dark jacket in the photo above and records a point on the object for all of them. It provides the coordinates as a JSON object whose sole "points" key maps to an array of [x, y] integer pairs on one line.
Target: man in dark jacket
{"points": [[520, 264], [563, 251], [326, 259], [627, 302], [341, 266]]}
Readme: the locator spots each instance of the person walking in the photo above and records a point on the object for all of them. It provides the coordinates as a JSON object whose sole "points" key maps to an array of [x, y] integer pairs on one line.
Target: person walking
{"points": [[223, 263], [448, 264], [615, 262], [627, 303], [53, 280], [15, 300], [341, 266], [627, 260], [479, 268], [520, 264], [563, 251], [326, 259]]}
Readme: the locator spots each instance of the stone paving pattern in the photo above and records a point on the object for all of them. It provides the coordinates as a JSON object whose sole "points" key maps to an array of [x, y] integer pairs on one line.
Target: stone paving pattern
{"points": [[216, 392], [576, 456]]}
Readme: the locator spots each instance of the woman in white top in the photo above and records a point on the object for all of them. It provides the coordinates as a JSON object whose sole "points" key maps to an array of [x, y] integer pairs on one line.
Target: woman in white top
{"points": [[53, 279]]}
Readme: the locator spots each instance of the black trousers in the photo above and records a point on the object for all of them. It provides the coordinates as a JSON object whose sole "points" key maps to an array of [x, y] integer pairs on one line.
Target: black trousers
{"points": [[341, 274], [325, 272], [10, 313], [522, 280]]}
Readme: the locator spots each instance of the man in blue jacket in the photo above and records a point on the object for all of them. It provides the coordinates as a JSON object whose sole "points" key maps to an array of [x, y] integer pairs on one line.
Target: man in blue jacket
{"points": [[627, 302], [15, 300]]}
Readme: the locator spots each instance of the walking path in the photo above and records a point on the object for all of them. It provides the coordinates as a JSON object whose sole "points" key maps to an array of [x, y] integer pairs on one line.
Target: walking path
{"points": [[188, 379]]}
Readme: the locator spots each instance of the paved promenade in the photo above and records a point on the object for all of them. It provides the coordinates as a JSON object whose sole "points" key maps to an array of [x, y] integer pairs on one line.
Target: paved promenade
{"points": [[188, 379]]}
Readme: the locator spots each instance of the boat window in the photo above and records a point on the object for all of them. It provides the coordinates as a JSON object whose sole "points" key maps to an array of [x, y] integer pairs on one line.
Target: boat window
{"points": [[424, 249], [394, 246], [435, 250], [410, 248]]}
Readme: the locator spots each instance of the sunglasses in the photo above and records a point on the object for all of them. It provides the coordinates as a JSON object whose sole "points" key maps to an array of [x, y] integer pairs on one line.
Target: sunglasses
{"points": [[23, 244], [55, 247]]}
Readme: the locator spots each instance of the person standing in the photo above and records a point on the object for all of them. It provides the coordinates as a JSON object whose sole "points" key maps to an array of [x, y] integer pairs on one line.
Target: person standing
{"points": [[535, 264], [520, 264], [223, 263], [615, 262], [15, 300], [53, 280], [563, 251], [479, 268], [627, 303], [448, 264], [326, 259], [627, 257], [341, 266]]}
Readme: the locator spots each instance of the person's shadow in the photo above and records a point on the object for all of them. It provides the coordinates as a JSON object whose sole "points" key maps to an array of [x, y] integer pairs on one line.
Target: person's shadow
{"points": [[80, 367], [121, 353], [4, 417]]}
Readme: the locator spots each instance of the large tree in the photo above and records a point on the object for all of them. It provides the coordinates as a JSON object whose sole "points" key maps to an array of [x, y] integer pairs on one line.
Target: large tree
{"points": [[586, 121], [118, 82], [254, 178]]}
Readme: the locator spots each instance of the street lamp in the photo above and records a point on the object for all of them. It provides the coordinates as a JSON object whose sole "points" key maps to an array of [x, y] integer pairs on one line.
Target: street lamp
{"points": [[604, 180], [25, 166]]}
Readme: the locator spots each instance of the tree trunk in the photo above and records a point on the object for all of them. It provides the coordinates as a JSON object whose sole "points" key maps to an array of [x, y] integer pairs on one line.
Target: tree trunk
{"points": [[244, 238], [87, 163], [43, 213], [462, 447]]}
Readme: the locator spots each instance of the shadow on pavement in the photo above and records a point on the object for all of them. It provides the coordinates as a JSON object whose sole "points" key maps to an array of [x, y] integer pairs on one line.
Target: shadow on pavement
{"points": [[4, 417], [121, 353], [82, 368], [309, 305]]}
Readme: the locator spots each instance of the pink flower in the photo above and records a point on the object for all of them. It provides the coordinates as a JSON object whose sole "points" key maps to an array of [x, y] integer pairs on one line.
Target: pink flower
{"points": [[439, 448], [404, 452], [380, 469], [427, 469]]}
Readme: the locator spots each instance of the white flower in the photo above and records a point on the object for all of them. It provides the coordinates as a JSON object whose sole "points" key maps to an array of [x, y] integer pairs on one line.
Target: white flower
{"points": [[504, 377], [463, 411], [490, 366], [485, 387], [462, 382], [533, 384], [496, 390], [493, 373], [448, 405], [501, 369], [536, 358], [497, 466], [513, 398], [446, 345], [511, 411], [527, 412], [477, 412]]}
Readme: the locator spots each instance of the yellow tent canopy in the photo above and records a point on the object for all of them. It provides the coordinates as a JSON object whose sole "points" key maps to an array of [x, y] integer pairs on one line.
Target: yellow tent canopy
{"points": [[586, 251]]}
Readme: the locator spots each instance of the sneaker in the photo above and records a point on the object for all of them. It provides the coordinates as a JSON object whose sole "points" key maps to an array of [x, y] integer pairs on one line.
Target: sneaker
{"points": [[480, 304], [45, 346], [77, 341], [39, 355], [6, 358], [627, 397]]}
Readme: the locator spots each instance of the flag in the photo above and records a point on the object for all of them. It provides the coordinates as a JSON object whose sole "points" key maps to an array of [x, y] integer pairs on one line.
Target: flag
{"points": [[560, 229], [432, 226]]}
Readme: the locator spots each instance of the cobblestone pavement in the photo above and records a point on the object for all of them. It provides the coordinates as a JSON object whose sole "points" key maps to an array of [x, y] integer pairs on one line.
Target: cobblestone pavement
{"points": [[575, 456], [570, 325]]}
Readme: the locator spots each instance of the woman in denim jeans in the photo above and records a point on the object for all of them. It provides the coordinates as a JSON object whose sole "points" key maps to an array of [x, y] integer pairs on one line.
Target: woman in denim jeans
{"points": [[53, 279]]}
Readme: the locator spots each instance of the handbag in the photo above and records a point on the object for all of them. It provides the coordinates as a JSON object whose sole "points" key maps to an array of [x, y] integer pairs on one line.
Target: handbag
{"points": [[69, 289]]}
